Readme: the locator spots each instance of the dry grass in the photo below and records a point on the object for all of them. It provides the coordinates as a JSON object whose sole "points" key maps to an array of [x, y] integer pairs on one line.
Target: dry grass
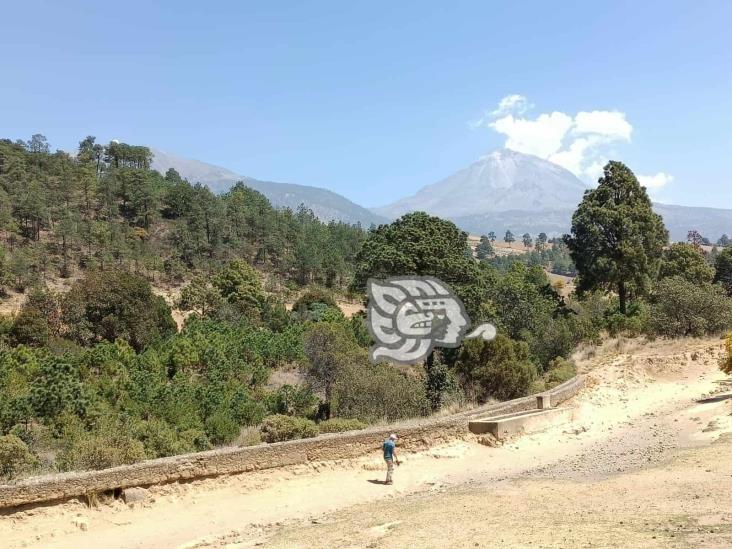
{"points": [[285, 376], [613, 350], [503, 248], [248, 436]]}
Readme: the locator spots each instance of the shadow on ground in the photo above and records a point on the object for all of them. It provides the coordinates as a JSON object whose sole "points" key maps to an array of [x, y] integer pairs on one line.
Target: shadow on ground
{"points": [[715, 398]]}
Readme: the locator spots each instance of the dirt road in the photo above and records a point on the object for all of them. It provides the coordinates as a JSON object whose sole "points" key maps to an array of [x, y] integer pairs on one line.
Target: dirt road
{"points": [[647, 462]]}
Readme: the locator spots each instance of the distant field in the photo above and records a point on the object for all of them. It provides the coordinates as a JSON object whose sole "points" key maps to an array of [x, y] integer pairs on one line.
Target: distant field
{"points": [[566, 286], [502, 248]]}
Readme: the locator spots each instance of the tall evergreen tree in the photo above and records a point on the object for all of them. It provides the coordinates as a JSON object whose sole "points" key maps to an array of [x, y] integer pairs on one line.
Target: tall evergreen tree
{"points": [[617, 240]]}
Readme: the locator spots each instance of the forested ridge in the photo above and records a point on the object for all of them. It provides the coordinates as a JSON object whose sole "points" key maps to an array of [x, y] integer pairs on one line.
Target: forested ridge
{"points": [[105, 207], [100, 374]]}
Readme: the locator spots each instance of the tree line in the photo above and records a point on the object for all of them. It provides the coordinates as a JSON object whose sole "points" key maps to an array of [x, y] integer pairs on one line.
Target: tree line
{"points": [[105, 208]]}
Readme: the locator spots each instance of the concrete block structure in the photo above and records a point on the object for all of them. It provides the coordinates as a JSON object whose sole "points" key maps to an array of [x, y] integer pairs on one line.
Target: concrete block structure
{"points": [[530, 421], [544, 401]]}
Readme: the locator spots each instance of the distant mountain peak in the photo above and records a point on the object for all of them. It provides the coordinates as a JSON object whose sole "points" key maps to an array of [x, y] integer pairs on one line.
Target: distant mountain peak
{"points": [[195, 171], [498, 181], [325, 204], [508, 190], [502, 190], [503, 153]]}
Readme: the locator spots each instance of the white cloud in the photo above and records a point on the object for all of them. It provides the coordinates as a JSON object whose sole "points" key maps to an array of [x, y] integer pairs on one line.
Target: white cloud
{"points": [[574, 142], [542, 136], [611, 124], [596, 170], [654, 182], [513, 103], [573, 157], [580, 143]]}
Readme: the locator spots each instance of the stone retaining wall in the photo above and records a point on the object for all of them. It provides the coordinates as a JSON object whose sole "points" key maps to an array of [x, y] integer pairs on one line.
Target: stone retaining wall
{"points": [[413, 435]]}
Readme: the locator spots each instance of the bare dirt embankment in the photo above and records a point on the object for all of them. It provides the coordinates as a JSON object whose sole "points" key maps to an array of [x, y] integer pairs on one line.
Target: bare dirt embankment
{"points": [[645, 463]]}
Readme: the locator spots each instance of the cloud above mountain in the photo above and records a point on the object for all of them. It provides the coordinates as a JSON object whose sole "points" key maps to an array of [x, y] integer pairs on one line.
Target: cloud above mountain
{"points": [[579, 142], [513, 103], [657, 181]]}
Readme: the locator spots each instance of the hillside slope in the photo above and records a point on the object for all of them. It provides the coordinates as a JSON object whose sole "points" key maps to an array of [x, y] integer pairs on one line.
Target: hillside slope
{"points": [[325, 204]]}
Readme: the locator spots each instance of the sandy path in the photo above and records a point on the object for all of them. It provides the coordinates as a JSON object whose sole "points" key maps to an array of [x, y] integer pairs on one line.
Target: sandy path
{"points": [[636, 463]]}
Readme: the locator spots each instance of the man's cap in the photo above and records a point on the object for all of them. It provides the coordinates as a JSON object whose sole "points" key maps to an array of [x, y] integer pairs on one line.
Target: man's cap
{"points": [[393, 436]]}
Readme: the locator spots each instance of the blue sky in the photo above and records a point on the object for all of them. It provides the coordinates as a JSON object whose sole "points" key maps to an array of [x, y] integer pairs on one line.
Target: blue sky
{"points": [[374, 101]]}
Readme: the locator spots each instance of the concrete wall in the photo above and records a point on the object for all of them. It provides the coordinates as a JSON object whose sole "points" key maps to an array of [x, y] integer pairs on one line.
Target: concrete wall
{"points": [[506, 425], [413, 435]]}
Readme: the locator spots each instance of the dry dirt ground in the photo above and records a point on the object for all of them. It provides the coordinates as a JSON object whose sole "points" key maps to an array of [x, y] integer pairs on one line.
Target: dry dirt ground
{"points": [[647, 462], [567, 283], [348, 308]]}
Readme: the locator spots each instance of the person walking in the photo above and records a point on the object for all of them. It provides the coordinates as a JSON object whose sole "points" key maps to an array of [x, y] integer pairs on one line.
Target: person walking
{"points": [[390, 457]]}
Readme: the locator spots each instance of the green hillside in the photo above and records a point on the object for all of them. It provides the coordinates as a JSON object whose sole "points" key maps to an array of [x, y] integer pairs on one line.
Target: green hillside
{"points": [[99, 374]]}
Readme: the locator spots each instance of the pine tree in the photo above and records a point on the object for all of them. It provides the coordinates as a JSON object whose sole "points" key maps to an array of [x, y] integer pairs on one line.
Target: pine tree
{"points": [[617, 240]]}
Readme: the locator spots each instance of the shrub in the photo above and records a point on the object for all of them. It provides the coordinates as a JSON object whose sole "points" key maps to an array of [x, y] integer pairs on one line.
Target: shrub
{"points": [[279, 427], [175, 270], [116, 304], [683, 308], [723, 269], [99, 451], [56, 388], [559, 371], [637, 321], [439, 381], [687, 261], [330, 348], [727, 361], [15, 457], [195, 439], [22, 432], [376, 392], [314, 294], [6, 328], [495, 369], [31, 327], [245, 409], [554, 337], [161, 440], [274, 314], [36, 435], [318, 312], [241, 285], [591, 316], [360, 329], [340, 425], [221, 428], [537, 386], [293, 401]]}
